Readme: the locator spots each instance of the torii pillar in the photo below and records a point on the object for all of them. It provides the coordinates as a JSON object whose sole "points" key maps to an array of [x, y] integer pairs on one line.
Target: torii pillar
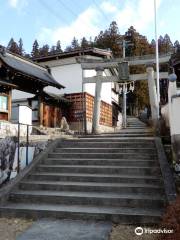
{"points": [[152, 95], [97, 101]]}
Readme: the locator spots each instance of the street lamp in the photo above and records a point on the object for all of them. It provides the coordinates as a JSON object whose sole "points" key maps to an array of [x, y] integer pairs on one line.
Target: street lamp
{"points": [[157, 58]]}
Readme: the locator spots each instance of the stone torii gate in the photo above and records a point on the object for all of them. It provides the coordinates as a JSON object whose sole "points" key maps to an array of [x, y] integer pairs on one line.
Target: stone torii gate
{"points": [[100, 66]]}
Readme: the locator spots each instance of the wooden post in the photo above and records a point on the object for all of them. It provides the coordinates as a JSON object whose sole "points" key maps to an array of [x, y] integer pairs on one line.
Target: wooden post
{"points": [[97, 102], [40, 111], [9, 105]]}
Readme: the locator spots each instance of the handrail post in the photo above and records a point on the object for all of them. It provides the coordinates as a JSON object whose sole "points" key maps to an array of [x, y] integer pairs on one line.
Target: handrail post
{"points": [[18, 150], [27, 144]]}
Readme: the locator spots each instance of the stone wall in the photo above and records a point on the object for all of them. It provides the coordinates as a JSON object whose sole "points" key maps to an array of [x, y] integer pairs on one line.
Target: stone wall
{"points": [[7, 151], [8, 147], [10, 129]]}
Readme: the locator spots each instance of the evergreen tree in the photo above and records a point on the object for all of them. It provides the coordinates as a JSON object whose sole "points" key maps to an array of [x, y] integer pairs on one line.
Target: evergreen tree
{"points": [[13, 46], [176, 46], [21, 50], [75, 44], [168, 46], [44, 51], [35, 49], [138, 44], [110, 39], [58, 47], [53, 50], [68, 49], [84, 43]]}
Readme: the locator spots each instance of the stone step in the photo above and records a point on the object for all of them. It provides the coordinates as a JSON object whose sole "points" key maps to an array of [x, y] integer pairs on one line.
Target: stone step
{"points": [[114, 214], [107, 150], [113, 162], [98, 178], [123, 134], [105, 169], [102, 155], [114, 139], [124, 188], [87, 198], [86, 144]]}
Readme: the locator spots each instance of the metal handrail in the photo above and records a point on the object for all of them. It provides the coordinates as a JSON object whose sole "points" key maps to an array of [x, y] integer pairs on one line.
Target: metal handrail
{"points": [[27, 145]]}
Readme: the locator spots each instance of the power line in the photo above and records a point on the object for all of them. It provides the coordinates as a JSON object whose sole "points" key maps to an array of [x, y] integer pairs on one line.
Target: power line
{"points": [[102, 13], [52, 11], [67, 8]]}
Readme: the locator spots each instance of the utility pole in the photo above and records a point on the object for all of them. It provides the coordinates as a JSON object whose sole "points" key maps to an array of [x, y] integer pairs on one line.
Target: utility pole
{"points": [[157, 57]]}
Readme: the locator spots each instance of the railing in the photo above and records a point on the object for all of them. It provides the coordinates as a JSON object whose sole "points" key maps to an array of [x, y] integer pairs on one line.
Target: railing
{"points": [[27, 145]]}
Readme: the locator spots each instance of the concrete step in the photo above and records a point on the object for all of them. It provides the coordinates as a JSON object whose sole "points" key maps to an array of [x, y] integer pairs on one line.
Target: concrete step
{"points": [[105, 169], [86, 144], [123, 188], [114, 214], [90, 198], [137, 150], [102, 155], [98, 178], [113, 162]]}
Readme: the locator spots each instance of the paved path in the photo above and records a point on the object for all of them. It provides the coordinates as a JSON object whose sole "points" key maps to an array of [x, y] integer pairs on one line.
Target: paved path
{"points": [[67, 230]]}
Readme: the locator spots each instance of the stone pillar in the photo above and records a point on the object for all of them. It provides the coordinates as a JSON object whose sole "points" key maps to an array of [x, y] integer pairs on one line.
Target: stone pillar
{"points": [[152, 95], [97, 102]]}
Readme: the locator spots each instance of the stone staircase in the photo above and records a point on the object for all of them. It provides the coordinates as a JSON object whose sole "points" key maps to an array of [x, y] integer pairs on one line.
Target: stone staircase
{"points": [[112, 177]]}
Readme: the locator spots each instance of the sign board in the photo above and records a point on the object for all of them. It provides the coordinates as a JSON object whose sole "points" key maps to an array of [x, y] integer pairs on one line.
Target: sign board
{"points": [[123, 69], [78, 114], [25, 115]]}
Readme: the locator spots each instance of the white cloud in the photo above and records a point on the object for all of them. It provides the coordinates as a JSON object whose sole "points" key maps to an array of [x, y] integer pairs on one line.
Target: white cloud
{"points": [[18, 4], [138, 13], [108, 7], [85, 25]]}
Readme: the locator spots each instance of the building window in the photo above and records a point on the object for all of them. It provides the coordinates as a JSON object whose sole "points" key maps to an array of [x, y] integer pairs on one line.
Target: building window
{"points": [[3, 103]]}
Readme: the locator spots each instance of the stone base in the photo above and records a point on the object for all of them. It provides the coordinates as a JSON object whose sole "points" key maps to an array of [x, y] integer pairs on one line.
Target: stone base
{"points": [[78, 126]]}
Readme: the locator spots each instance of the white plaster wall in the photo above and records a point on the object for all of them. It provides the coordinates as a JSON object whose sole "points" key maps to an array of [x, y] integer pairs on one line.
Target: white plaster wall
{"points": [[69, 76], [175, 128], [106, 91]]}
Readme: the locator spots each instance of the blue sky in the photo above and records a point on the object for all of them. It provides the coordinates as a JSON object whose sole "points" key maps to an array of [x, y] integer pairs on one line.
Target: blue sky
{"points": [[52, 20]]}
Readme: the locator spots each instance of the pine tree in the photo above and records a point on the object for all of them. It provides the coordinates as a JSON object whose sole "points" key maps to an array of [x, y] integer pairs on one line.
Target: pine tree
{"points": [[35, 49]]}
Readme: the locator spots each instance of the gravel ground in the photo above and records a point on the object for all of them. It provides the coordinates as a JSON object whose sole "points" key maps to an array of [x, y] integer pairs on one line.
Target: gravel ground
{"points": [[124, 232], [11, 228]]}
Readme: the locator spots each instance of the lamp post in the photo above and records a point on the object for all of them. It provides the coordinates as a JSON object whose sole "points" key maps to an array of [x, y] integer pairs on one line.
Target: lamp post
{"points": [[157, 58]]}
